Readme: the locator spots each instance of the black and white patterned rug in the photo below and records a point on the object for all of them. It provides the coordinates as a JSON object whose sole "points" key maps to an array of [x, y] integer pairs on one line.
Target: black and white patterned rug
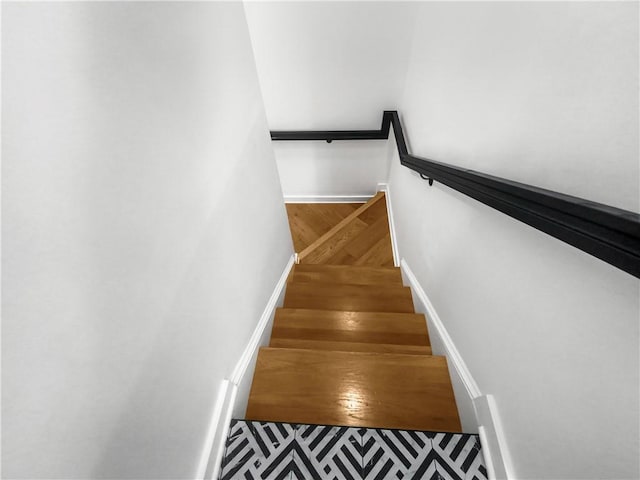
{"points": [[283, 451]]}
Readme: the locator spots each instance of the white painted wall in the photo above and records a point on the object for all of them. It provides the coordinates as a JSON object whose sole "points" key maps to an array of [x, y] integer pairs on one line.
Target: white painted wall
{"points": [[143, 231], [336, 169], [545, 93], [330, 66]]}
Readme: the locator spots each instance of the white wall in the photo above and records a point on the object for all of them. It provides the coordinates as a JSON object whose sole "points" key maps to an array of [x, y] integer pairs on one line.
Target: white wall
{"points": [[547, 94], [330, 66], [143, 231], [324, 170]]}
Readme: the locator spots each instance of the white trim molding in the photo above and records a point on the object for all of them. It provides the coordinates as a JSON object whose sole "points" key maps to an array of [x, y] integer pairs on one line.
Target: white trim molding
{"points": [[494, 447], [267, 314], [452, 353], [384, 187], [327, 198], [492, 436], [213, 449]]}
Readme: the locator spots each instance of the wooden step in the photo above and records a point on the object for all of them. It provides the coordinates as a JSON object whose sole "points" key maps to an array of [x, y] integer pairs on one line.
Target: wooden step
{"points": [[350, 331], [358, 298], [376, 390], [346, 274]]}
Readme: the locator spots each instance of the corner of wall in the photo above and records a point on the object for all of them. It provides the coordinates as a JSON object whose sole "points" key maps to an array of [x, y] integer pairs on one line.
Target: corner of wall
{"points": [[234, 392], [492, 438], [384, 187], [213, 450]]}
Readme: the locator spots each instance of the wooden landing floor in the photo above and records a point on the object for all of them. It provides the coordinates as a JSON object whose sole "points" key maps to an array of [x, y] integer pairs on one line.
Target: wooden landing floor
{"points": [[363, 238], [309, 221]]}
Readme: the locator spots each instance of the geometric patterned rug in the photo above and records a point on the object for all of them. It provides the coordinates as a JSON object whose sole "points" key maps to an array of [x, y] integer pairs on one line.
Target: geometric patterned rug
{"points": [[284, 451]]}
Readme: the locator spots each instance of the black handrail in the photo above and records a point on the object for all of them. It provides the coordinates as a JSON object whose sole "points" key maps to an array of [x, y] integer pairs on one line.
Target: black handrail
{"points": [[608, 233]]}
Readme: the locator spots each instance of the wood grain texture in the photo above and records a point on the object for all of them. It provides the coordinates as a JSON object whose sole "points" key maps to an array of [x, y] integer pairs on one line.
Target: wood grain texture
{"points": [[353, 388], [309, 221], [346, 326], [350, 331], [350, 346], [359, 238], [359, 298], [361, 275], [332, 243]]}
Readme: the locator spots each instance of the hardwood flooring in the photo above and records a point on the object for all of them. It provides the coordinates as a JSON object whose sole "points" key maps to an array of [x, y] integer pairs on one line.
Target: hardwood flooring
{"points": [[347, 348], [342, 234], [359, 298], [375, 390], [309, 221], [350, 331], [346, 274]]}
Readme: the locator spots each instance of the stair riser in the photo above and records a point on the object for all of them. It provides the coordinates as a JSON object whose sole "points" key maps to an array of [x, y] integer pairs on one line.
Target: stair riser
{"points": [[342, 275], [270, 450], [364, 304], [359, 298], [337, 335], [349, 346]]}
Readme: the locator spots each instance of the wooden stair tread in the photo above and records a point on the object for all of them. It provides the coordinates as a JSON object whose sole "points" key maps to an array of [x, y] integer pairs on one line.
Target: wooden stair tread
{"points": [[349, 326], [342, 346], [355, 275], [377, 390], [361, 298]]}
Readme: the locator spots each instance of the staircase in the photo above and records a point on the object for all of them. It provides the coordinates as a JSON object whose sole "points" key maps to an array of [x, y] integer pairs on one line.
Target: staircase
{"points": [[348, 349], [349, 354]]}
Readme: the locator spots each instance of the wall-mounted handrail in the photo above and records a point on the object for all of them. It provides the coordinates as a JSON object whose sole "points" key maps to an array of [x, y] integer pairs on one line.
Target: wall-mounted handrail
{"points": [[608, 233]]}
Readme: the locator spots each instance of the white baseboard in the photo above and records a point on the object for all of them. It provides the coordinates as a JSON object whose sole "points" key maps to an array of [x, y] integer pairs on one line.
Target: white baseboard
{"points": [[265, 318], [452, 353], [213, 450], [327, 198], [384, 187], [488, 460], [494, 448], [481, 406]]}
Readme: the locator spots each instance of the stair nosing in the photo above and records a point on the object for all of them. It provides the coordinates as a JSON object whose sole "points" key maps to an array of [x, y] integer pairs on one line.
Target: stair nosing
{"points": [[325, 265], [434, 357], [428, 352], [359, 285], [351, 311]]}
